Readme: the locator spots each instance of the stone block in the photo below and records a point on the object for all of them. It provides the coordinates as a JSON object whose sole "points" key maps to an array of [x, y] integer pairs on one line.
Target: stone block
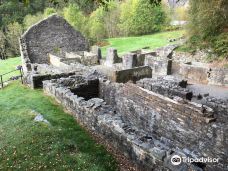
{"points": [[129, 61], [112, 57], [96, 50]]}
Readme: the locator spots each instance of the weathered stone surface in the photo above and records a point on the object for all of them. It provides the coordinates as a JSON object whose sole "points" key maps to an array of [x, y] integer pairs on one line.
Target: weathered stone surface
{"points": [[218, 76], [96, 50], [134, 74], [124, 75], [149, 128], [112, 57], [169, 88], [129, 61], [83, 57], [194, 72]]}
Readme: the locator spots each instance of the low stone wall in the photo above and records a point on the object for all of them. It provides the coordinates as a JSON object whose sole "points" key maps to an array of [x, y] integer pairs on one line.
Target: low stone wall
{"points": [[166, 87], [85, 58], [36, 80], [103, 120], [204, 74], [220, 107], [218, 76], [161, 66], [117, 74], [194, 72], [188, 126], [133, 74], [147, 127], [61, 62]]}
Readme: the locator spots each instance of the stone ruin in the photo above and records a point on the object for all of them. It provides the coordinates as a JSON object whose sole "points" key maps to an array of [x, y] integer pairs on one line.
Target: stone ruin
{"points": [[133, 102]]}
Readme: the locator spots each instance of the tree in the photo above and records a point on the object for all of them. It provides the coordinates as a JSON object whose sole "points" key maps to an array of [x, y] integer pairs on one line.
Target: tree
{"points": [[208, 18], [111, 18], [208, 25], [29, 19], [14, 32], [15, 10], [49, 11], [141, 17], [2, 45], [75, 17], [96, 26]]}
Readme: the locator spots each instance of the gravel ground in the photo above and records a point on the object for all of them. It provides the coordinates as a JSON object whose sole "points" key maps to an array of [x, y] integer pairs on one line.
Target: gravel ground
{"points": [[216, 91]]}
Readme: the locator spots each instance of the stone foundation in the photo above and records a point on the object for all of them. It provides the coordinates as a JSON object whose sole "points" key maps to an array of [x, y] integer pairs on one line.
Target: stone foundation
{"points": [[147, 127]]}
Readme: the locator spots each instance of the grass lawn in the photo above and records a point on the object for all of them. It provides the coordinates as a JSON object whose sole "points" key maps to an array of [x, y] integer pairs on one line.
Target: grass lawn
{"points": [[9, 65], [29, 145], [126, 44]]}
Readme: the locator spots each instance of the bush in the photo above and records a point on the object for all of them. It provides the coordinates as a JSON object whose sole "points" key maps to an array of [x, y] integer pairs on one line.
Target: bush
{"points": [[220, 45], [207, 19]]}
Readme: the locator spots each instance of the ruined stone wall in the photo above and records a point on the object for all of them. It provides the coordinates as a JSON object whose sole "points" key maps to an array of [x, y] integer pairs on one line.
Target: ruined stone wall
{"points": [[147, 127], [167, 88], [102, 119], [194, 72], [187, 125], [52, 35], [203, 73], [220, 106], [218, 76], [133, 74]]}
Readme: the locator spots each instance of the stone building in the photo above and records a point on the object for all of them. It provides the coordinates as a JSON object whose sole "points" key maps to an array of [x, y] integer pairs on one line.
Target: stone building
{"points": [[149, 119], [51, 35]]}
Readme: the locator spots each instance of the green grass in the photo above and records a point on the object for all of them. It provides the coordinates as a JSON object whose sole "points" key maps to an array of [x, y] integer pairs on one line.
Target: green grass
{"points": [[126, 44], [9, 65], [26, 144], [29, 145]]}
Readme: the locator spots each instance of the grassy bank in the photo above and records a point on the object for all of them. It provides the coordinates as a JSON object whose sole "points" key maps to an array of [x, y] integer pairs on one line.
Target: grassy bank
{"points": [[126, 44], [9, 65], [29, 145]]}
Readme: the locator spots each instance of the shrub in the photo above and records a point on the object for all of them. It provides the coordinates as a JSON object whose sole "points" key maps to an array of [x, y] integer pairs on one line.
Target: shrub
{"points": [[220, 45], [207, 19]]}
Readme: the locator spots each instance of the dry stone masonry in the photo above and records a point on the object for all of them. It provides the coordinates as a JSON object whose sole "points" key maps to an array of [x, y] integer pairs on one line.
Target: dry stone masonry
{"points": [[131, 101]]}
